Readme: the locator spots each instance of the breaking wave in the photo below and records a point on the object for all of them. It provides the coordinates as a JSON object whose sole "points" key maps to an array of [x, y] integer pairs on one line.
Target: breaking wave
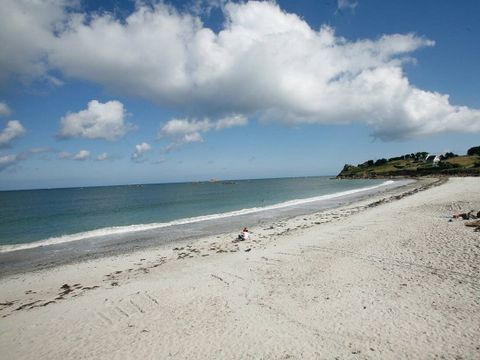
{"points": [[117, 230]]}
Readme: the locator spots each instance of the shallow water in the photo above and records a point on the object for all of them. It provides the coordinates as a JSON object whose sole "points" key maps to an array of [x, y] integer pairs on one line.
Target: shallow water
{"points": [[41, 217], [119, 239]]}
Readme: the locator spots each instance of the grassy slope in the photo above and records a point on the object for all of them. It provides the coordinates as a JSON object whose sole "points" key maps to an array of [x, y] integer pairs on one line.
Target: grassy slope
{"points": [[410, 167]]}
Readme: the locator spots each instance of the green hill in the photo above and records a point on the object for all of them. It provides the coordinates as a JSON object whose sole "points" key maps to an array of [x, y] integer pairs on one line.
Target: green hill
{"points": [[417, 164]]}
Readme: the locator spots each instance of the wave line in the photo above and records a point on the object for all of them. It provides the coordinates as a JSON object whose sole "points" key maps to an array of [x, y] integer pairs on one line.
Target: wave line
{"points": [[116, 230]]}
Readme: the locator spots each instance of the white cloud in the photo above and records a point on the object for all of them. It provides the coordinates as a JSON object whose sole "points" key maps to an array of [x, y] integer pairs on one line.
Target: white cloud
{"points": [[81, 155], [143, 147], [13, 130], [4, 109], [264, 61], [98, 121], [231, 121], [102, 157], [193, 137], [205, 7], [7, 160], [26, 35], [180, 127], [347, 4], [140, 149], [184, 131]]}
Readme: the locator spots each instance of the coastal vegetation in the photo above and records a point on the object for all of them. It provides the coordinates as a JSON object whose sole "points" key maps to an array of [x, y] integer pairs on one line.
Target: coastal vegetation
{"points": [[417, 164]]}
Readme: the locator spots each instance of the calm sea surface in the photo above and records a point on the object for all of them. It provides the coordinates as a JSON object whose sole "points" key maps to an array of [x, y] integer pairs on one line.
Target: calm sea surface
{"points": [[62, 215]]}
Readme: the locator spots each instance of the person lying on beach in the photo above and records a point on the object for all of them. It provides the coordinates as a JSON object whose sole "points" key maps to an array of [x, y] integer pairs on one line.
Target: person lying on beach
{"points": [[467, 216], [244, 235]]}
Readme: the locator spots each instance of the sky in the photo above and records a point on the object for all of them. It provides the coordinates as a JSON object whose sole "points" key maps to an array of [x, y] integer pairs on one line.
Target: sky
{"points": [[126, 92]]}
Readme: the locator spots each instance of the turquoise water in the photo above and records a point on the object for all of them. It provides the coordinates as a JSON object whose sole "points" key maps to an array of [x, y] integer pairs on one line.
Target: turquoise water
{"points": [[33, 216]]}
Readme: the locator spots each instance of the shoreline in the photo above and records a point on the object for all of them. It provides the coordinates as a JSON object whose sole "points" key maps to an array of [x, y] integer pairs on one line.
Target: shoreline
{"points": [[193, 244], [49, 256], [119, 230], [387, 273]]}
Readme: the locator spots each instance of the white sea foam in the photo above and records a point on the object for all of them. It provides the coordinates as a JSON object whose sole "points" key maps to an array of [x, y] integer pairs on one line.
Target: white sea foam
{"points": [[116, 230]]}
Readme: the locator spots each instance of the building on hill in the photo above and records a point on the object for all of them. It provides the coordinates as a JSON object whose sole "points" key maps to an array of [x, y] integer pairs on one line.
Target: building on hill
{"points": [[433, 159]]}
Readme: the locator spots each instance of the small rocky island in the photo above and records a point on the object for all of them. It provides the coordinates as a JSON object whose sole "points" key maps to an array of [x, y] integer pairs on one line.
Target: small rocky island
{"points": [[415, 165]]}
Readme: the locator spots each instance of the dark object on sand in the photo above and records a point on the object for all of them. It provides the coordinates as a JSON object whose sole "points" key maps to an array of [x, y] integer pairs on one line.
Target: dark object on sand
{"points": [[467, 216], [475, 224]]}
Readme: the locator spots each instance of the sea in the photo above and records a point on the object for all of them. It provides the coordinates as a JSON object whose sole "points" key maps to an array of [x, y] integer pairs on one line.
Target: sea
{"points": [[40, 227]]}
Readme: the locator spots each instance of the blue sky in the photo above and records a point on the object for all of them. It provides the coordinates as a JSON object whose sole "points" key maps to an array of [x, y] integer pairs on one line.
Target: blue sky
{"points": [[121, 93]]}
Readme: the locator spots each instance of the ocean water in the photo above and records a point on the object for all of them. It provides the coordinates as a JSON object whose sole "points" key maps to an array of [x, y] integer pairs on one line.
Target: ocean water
{"points": [[34, 218]]}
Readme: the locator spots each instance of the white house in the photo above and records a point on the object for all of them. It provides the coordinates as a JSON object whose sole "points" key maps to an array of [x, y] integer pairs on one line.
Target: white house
{"points": [[432, 158]]}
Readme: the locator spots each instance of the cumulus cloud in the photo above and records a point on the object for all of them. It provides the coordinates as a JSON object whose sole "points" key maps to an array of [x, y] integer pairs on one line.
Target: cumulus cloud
{"points": [[102, 157], [11, 159], [82, 155], [180, 127], [7, 160], [27, 33], [264, 62], [98, 121], [4, 109], [13, 130], [140, 149], [231, 121], [205, 7], [184, 131]]}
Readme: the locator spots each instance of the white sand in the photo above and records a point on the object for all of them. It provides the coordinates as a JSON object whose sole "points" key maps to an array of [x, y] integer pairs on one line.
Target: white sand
{"points": [[395, 281]]}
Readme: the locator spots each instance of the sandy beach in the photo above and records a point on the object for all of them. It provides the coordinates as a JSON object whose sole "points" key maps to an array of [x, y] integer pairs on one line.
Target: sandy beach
{"points": [[388, 277]]}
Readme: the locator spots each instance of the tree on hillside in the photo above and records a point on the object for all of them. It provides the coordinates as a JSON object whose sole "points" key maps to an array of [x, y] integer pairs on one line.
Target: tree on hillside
{"points": [[474, 151], [366, 163], [449, 155], [380, 162], [421, 155], [396, 158]]}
